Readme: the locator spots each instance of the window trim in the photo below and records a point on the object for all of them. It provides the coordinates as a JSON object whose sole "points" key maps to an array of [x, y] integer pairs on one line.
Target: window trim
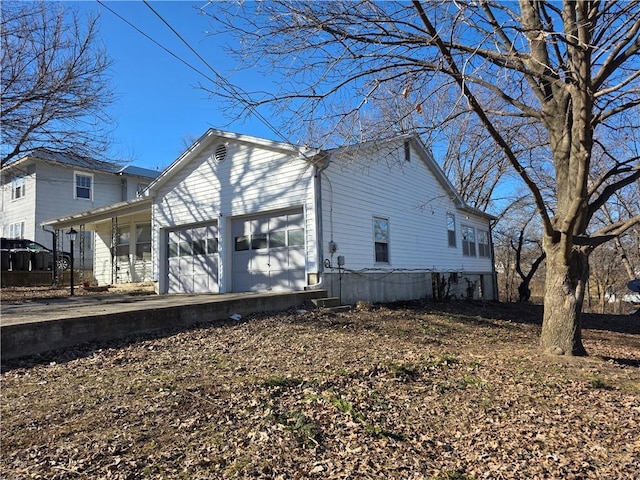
{"points": [[485, 246], [451, 234], [138, 255], [12, 229], [471, 245], [375, 240], [77, 174], [123, 231], [18, 184]]}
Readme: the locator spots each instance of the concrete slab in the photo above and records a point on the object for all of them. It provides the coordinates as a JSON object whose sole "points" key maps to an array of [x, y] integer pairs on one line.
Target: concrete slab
{"points": [[45, 325]]}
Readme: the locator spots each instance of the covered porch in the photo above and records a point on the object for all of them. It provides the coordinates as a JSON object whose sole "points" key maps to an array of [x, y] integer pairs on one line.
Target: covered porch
{"points": [[121, 250]]}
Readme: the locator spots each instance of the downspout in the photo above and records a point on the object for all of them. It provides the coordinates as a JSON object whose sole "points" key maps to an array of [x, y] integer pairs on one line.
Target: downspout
{"points": [[494, 273], [318, 202]]}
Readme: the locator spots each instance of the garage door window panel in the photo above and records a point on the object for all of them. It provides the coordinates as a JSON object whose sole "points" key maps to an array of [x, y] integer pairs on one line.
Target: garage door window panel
{"points": [[186, 249], [278, 239], [200, 247], [259, 241], [242, 243], [296, 237]]}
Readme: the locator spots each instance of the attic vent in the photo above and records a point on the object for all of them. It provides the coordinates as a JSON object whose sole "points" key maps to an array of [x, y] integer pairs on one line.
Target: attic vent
{"points": [[220, 153]]}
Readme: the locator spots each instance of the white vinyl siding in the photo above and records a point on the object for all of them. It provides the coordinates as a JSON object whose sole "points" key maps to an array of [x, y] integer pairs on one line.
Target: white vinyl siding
{"points": [[251, 180], [379, 182]]}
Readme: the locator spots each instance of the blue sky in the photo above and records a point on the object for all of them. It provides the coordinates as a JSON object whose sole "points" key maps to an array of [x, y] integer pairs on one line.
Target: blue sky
{"points": [[160, 108]]}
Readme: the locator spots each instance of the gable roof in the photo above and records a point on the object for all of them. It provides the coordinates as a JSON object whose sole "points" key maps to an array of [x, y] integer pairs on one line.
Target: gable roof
{"points": [[79, 161], [211, 136], [429, 161], [139, 172]]}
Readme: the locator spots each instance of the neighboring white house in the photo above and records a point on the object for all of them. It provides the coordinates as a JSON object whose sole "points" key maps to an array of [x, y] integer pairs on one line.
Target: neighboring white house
{"points": [[46, 184], [377, 222]]}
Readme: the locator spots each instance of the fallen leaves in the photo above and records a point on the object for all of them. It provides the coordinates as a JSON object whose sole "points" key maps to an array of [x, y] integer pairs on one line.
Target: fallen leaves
{"points": [[398, 392]]}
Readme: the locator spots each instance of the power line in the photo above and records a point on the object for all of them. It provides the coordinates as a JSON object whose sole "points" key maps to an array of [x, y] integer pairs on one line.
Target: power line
{"points": [[236, 92], [156, 42]]}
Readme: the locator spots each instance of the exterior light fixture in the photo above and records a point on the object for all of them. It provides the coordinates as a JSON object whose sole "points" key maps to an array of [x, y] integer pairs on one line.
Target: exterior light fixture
{"points": [[72, 238]]}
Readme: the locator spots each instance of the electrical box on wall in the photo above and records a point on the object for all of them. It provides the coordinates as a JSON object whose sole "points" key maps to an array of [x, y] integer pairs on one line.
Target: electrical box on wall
{"points": [[341, 260]]}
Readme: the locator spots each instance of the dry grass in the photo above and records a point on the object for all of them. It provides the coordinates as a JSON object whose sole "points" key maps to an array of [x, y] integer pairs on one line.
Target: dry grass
{"points": [[449, 391]]}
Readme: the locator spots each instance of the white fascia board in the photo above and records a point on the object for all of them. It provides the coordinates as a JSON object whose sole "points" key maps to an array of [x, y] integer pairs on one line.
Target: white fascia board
{"points": [[210, 136], [137, 205]]}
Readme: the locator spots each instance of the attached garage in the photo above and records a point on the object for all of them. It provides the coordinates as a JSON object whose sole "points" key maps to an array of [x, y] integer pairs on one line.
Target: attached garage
{"points": [[269, 252], [193, 259]]}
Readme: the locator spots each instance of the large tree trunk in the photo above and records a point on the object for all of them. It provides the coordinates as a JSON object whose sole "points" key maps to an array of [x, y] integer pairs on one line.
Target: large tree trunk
{"points": [[563, 297]]}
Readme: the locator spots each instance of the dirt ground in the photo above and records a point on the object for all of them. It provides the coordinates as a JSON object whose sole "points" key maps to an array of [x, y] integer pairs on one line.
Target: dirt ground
{"points": [[404, 391], [28, 294]]}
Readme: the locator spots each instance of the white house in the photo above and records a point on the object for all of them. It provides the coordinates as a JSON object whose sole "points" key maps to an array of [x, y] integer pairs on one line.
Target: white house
{"points": [[46, 184], [377, 221]]}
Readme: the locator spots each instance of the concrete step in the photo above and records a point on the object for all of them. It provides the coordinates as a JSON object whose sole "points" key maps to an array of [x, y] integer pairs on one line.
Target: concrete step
{"points": [[326, 302]]}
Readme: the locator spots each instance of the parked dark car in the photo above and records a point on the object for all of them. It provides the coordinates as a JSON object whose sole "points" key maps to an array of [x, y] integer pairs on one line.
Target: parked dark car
{"points": [[29, 255]]}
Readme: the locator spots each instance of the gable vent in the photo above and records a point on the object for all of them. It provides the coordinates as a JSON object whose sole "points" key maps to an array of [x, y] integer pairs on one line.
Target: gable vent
{"points": [[220, 152]]}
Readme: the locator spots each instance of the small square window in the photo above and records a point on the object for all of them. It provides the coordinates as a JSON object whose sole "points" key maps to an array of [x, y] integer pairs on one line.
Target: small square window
{"points": [[296, 237], [278, 239], [259, 241], [199, 247], [186, 249], [242, 243]]}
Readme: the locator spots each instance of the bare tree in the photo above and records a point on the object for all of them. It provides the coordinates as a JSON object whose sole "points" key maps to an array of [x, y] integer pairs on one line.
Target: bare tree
{"points": [[570, 69], [55, 87], [518, 249]]}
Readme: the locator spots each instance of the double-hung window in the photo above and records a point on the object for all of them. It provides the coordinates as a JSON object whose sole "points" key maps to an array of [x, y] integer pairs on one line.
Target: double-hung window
{"points": [[381, 239], [143, 242], [16, 230], [483, 244], [84, 186], [451, 229], [18, 185], [123, 240], [468, 241]]}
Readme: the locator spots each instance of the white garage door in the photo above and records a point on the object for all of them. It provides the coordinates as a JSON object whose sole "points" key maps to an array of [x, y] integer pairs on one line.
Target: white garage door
{"points": [[268, 253], [193, 260]]}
